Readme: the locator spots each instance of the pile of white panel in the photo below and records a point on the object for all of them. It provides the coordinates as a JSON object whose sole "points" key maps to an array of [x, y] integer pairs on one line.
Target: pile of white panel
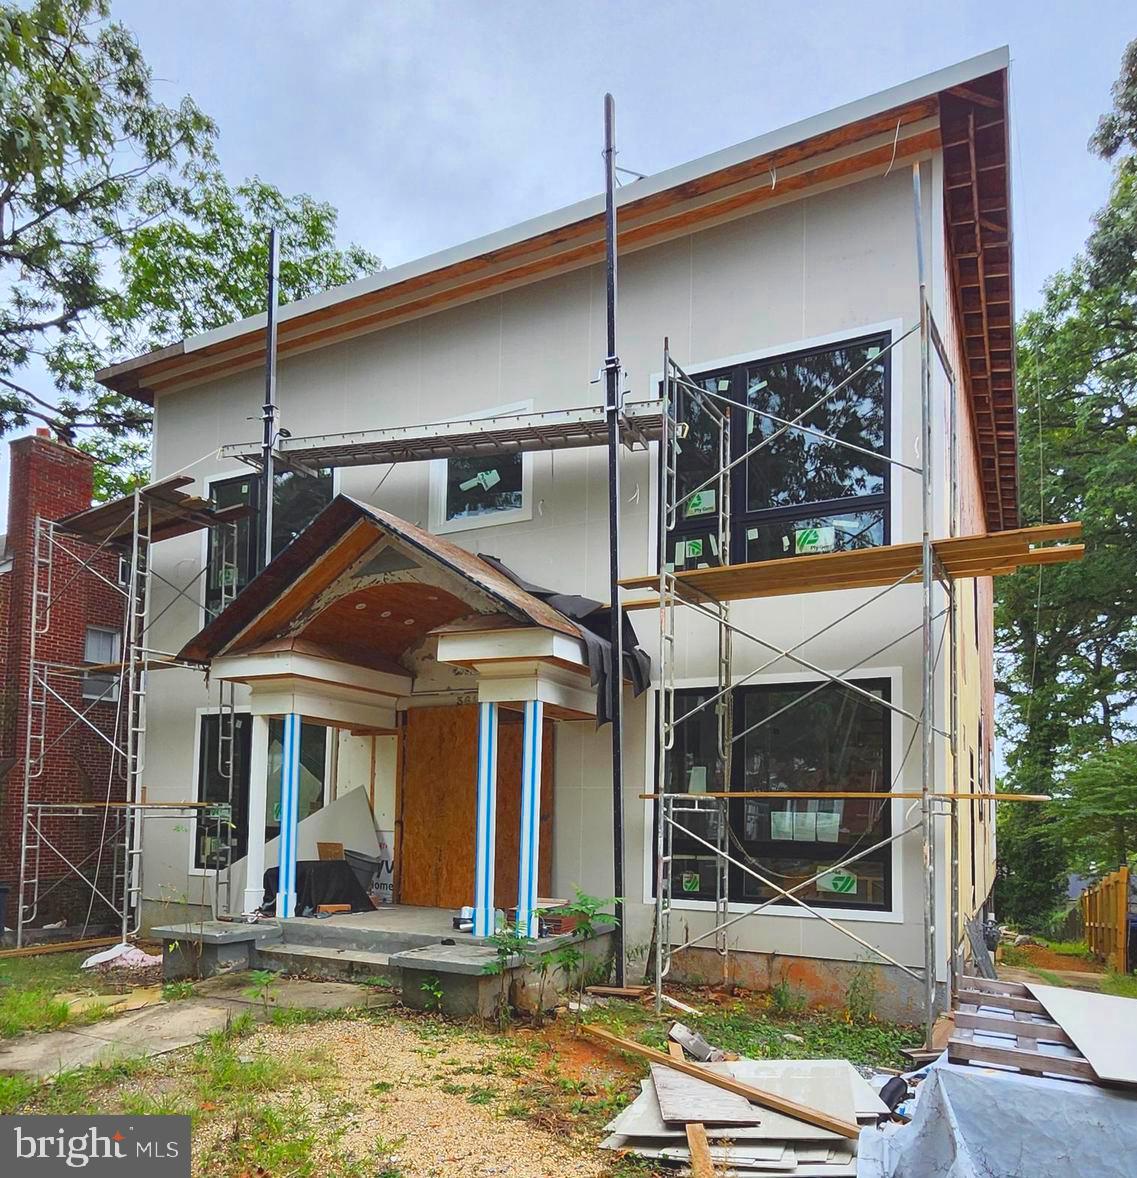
{"points": [[746, 1139]]}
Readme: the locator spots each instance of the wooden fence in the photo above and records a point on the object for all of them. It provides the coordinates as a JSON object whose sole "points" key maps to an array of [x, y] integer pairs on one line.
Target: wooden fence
{"points": [[1105, 909]]}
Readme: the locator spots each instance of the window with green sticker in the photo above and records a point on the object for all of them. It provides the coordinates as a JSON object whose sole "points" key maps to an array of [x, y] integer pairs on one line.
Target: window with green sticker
{"points": [[792, 491]]}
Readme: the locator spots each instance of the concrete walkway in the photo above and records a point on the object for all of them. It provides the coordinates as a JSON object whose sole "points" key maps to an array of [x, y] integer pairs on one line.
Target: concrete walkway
{"points": [[154, 1030]]}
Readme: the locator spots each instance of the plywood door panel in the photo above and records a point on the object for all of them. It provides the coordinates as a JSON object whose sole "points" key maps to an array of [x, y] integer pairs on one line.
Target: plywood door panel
{"points": [[439, 801], [439, 795]]}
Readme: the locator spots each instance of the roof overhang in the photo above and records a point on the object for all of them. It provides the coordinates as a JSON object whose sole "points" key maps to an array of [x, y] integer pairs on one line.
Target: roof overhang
{"points": [[353, 557]]}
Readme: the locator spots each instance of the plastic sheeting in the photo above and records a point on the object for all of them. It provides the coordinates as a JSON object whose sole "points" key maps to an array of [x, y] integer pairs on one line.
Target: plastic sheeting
{"points": [[975, 1122]]}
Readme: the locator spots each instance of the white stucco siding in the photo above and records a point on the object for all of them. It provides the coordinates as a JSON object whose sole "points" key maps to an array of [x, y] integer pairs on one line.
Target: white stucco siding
{"points": [[826, 267]]}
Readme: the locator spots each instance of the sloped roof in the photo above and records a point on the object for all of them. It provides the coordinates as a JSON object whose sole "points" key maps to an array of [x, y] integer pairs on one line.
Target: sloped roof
{"points": [[339, 539]]}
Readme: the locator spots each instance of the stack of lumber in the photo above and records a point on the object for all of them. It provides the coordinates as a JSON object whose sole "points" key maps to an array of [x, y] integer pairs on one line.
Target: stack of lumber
{"points": [[1045, 1031], [746, 1117]]}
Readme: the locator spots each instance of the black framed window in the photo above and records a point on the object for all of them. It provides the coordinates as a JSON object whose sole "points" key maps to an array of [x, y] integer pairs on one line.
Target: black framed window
{"points": [[809, 736], [213, 786], [800, 494], [297, 500], [483, 486]]}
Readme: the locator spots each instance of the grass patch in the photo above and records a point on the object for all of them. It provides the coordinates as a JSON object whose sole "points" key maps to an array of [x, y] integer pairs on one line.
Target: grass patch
{"points": [[15, 1092], [1070, 949], [1015, 956], [30, 1010], [176, 991], [760, 1032], [1121, 985], [1048, 976]]}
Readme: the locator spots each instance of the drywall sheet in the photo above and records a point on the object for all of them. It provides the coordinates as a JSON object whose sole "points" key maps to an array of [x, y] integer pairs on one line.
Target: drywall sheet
{"points": [[347, 820], [974, 1122], [683, 1099], [832, 1085], [1103, 1027]]}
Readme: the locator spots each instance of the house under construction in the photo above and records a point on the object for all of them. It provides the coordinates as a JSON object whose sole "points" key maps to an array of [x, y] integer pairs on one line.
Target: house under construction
{"points": [[809, 410]]}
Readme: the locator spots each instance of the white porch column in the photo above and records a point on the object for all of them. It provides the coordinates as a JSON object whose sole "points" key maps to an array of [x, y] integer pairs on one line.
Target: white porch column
{"points": [[530, 818], [486, 824], [255, 818], [289, 789]]}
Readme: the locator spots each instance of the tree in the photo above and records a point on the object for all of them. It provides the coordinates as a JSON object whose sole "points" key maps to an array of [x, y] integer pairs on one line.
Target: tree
{"points": [[201, 265], [1097, 813], [117, 231], [87, 157], [1067, 636]]}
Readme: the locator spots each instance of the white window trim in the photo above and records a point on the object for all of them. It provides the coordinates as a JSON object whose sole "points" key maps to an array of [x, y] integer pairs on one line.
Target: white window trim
{"points": [[791, 911], [440, 525], [111, 696], [242, 709]]}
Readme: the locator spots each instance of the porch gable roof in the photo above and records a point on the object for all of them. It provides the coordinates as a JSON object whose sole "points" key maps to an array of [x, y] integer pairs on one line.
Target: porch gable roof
{"points": [[291, 586]]}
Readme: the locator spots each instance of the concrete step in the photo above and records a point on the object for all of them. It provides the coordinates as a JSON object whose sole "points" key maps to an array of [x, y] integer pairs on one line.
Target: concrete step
{"points": [[325, 934], [322, 961]]}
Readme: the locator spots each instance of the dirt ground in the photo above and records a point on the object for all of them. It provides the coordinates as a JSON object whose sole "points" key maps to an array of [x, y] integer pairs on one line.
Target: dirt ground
{"points": [[1043, 957]]}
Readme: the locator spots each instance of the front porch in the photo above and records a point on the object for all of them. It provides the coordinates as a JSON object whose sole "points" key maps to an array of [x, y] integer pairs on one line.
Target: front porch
{"points": [[370, 628]]}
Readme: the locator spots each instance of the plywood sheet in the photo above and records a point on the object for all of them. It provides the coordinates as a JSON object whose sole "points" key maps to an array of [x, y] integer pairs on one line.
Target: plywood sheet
{"points": [[439, 802], [1103, 1027], [683, 1099]]}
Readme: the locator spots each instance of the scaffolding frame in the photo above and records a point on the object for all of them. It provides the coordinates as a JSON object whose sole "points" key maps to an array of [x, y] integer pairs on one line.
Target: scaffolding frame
{"points": [[125, 528], [676, 593]]}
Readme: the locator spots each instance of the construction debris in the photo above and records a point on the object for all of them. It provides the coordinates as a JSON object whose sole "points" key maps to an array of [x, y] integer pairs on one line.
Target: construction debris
{"points": [[694, 1044], [746, 1117]]}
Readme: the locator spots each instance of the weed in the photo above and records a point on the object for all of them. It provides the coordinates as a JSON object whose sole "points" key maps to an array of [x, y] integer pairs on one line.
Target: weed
{"points": [[509, 945], [451, 1088], [176, 991], [1123, 985], [859, 995], [787, 999], [30, 1010], [432, 988], [482, 1094], [15, 1091], [382, 1086], [263, 986]]}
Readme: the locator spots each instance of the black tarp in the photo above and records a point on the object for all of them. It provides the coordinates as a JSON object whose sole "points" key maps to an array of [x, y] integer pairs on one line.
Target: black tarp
{"points": [[319, 881], [595, 622]]}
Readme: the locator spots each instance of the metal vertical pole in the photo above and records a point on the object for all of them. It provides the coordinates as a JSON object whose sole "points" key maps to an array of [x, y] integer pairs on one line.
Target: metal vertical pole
{"points": [[268, 414], [663, 717], [929, 684], [953, 725], [612, 410]]}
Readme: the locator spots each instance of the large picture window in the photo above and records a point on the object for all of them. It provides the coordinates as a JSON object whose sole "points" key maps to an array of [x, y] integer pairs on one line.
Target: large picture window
{"points": [[800, 494], [297, 500], [814, 737]]}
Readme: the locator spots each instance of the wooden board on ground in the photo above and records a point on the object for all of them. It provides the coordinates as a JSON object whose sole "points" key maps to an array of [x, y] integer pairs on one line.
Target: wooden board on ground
{"points": [[698, 1147], [617, 991], [791, 1108], [683, 1099], [1102, 1026]]}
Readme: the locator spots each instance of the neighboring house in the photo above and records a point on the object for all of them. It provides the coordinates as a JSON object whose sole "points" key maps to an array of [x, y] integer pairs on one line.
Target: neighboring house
{"points": [[51, 480], [776, 268]]}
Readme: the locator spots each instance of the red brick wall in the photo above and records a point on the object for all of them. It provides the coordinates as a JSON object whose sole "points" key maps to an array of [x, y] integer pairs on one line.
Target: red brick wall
{"points": [[52, 480]]}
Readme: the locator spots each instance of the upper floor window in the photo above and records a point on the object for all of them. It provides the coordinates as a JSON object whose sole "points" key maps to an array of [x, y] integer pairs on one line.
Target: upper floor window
{"points": [[297, 500], [103, 647], [473, 491], [801, 493]]}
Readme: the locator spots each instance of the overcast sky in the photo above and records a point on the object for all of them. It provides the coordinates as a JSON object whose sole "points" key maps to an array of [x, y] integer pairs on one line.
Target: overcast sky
{"points": [[427, 123]]}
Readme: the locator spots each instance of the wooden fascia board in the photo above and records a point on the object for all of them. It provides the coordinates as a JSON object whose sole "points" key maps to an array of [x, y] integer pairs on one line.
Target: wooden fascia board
{"points": [[571, 245]]}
